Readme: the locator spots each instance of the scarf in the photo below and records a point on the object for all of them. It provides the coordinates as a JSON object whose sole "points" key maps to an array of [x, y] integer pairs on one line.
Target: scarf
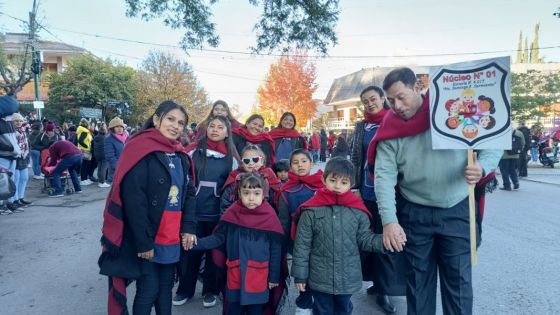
{"points": [[269, 177], [122, 137], [219, 146], [262, 218], [325, 197], [313, 182], [393, 126], [375, 118], [139, 146], [21, 137], [280, 133]]}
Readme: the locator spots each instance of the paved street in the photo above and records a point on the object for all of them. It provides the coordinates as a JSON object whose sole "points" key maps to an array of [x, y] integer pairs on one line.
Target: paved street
{"points": [[48, 255]]}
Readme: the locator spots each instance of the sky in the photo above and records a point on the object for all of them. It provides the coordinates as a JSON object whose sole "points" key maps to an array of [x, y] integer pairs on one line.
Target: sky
{"points": [[391, 33]]}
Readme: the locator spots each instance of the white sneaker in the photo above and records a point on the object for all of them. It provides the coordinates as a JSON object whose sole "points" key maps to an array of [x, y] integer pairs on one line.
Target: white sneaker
{"points": [[304, 311], [103, 185], [86, 182], [38, 177]]}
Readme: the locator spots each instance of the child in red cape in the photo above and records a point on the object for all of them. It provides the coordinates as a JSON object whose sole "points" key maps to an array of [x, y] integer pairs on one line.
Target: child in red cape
{"points": [[333, 227], [249, 237], [252, 160]]}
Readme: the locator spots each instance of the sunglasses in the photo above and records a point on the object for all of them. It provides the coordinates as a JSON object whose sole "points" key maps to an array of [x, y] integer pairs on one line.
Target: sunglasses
{"points": [[254, 159]]}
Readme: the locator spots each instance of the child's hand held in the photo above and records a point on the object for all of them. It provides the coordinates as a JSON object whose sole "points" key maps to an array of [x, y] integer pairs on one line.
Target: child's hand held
{"points": [[300, 287]]}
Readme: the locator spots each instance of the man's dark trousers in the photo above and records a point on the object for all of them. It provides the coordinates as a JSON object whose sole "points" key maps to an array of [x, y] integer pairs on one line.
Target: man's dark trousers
{"points": [[508, 168], [437, 238]]}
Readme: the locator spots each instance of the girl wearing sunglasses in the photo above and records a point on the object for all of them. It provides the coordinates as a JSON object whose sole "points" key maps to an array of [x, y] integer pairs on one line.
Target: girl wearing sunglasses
{"points": [[252, 160]]}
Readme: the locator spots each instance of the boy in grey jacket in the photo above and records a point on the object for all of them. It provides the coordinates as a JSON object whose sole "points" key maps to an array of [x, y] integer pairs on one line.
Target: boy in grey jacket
{"points": [[332, 228]]}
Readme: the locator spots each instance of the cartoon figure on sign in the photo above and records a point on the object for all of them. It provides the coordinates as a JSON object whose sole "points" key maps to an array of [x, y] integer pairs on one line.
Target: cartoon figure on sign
{"points": [[173, 196], [487, 122], [470, 131], [469, 106], [453, 106], [452, 122], [485, 105]]}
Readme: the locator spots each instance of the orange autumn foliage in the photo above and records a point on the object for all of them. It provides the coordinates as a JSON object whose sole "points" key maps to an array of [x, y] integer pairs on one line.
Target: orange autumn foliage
{"points": [[288, 87]]}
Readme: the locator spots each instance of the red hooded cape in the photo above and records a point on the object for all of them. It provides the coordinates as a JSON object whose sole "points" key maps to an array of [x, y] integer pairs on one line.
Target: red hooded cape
{"points": [[325, 197], [138, 147], [313, 182], [288, 133], [262, 218]]}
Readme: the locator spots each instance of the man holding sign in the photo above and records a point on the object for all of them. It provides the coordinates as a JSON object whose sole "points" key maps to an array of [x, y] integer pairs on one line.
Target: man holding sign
{"points": [[433, 226]]}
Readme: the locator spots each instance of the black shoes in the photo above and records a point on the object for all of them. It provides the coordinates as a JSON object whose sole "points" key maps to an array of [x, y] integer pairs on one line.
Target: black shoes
{"points": [[25, 202], [385, 304], [506, 188], [516, 186], [372, 290]]}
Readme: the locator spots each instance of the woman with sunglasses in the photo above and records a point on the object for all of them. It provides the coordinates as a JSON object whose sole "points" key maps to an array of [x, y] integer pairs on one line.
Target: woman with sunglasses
{"points": [[286, 138], [253, 133], [214, 160], [252, 160]]}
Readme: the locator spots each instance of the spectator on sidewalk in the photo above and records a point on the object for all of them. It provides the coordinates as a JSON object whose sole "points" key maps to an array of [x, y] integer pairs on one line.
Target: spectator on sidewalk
{"points": [[46, 138], [21, 175], [315, 146], [9, 149], [99, 155], [85, 138], [64, 155], [509, 163], [35, 151], [114, 145], [522, 165]]}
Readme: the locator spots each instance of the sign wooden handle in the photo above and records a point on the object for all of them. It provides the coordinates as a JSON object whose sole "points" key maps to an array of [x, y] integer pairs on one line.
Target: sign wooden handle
{"points": [[472, 216]]}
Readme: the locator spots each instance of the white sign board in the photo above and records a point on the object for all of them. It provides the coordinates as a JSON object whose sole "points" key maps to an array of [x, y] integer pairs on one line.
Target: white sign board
{"points": [[470, 105], [38, 104]]}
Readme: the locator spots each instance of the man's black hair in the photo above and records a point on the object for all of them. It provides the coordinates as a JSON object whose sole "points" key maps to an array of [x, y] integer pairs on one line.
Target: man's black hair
{"points": [[405, 75], [339, 167], [281, 166]]}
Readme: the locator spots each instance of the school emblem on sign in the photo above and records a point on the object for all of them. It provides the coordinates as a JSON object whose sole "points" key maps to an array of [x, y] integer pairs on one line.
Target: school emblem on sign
{"points": [[470, 105]]}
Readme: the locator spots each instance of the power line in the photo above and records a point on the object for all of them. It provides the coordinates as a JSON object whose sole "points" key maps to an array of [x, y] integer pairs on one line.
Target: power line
{"points": [[309, 56]]}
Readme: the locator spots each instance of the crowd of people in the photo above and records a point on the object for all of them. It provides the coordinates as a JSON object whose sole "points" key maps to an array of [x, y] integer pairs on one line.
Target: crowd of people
{"points": [[248, 200]]}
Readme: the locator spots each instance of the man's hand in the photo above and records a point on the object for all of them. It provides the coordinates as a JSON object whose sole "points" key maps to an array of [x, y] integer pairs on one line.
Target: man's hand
{"points": [[394, 237], [473, 173], [272, 285], [300, 287], [188, 240], [147, 255]]}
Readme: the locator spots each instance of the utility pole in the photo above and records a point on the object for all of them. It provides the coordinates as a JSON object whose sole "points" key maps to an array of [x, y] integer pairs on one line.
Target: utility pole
{"points": [[36, 64]]}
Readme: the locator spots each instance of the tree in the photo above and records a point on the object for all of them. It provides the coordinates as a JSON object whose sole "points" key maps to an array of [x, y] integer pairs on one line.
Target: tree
{"points": [[533, 93], [535, 46], [89, 82], [519, 58], [305, 24], [15, 70], [163, 77], [288, 87], [526, 52]]}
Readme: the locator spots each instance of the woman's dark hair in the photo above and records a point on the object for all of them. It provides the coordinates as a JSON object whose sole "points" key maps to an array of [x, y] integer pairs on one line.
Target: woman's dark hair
{"points": [[379, 92], [492, 109], [340, 167], [284, 116], [251, 180], [225, 105], [300, 151], [203, 144], [491, 124], [162, 110], [252, 147], [253, 117], [404, 75]]}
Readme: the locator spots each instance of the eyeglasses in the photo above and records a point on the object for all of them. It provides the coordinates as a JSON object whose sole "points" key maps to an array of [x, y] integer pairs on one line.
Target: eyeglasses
{"points": [[254, 159]]}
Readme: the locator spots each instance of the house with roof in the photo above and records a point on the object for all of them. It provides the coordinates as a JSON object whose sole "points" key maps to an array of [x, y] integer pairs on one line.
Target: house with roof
{"points": [[55, 59], [343, 98]]}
